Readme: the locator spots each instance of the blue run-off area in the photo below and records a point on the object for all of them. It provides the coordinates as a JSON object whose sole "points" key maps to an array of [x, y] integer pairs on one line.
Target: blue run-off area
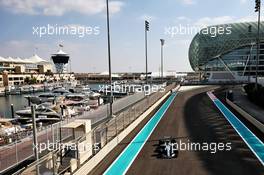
{"points": [[253, 142], [126, 158]]}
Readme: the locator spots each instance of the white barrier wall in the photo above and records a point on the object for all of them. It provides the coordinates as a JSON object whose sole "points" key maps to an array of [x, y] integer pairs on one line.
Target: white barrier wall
{"points": [[84, 148], [247, 116]]}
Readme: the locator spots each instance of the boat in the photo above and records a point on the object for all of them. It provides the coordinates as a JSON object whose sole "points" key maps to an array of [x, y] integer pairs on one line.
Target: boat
{"points": [[43, 112], [8, 127], [46, 97], [42, 98], [95, 99], [14, 90], [60, 91], [79, 102], [2, 92], [80, 89], [75, 97], [91, 99], [79, 107], [26, 89]]}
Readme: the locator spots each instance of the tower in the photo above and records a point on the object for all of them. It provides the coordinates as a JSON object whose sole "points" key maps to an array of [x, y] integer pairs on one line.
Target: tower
{"points": [[60, 60]]}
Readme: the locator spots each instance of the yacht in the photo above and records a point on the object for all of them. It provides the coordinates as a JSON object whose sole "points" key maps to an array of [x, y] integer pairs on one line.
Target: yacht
{"points": [[91, 99], [95, 100], [42, 98], [44, 113], [60, 91], [79, 102], [79, 107], [75, 97], [8, 127], [14, 90], [80, 89]]}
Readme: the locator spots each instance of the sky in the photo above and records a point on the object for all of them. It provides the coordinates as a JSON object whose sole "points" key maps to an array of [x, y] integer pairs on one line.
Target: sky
{"points": [[21, 20]]}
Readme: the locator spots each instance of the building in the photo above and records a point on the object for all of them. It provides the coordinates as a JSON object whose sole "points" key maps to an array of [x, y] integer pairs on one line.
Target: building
{"points": [[26, 78], [34, 64], [230, 55], [18, 71]]}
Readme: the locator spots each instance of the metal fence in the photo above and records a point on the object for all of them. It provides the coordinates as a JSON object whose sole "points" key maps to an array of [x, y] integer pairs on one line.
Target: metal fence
{"points": [[21, 150], [99, 137], [10, 154], [108, 130]]}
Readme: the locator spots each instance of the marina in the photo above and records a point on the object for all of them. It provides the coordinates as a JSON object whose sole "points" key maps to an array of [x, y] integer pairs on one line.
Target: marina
{"points": [[20, 101], [53, 105]]}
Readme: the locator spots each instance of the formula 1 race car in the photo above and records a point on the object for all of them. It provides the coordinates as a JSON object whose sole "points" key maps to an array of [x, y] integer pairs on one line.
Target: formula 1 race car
{"points": [[167, 148]]}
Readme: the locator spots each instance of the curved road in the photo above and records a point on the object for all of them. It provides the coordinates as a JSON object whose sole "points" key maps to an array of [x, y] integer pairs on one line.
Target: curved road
{"points": [[191, 118]]}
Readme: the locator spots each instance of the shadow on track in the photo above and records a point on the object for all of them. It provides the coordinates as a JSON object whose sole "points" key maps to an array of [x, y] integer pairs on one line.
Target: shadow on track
{"points": [[206, 124]]}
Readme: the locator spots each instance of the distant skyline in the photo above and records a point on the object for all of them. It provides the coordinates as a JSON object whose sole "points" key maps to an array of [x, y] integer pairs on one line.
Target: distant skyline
{"points": [[89, 53]]}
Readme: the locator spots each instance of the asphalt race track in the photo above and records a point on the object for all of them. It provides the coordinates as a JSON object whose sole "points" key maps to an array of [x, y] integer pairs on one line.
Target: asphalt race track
{"points": [[191, 118]]}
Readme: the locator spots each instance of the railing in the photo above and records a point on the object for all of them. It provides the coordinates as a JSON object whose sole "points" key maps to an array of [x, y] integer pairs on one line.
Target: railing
{"points": [[21, 147], [21, 150], [98, 138]]}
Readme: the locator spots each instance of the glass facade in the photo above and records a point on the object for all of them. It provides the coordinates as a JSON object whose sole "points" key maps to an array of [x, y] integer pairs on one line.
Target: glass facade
{"points": [[235, 51]]}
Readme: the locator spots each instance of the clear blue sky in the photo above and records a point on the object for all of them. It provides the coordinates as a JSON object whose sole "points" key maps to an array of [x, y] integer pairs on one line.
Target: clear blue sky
{"points": [[89, 53]]}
